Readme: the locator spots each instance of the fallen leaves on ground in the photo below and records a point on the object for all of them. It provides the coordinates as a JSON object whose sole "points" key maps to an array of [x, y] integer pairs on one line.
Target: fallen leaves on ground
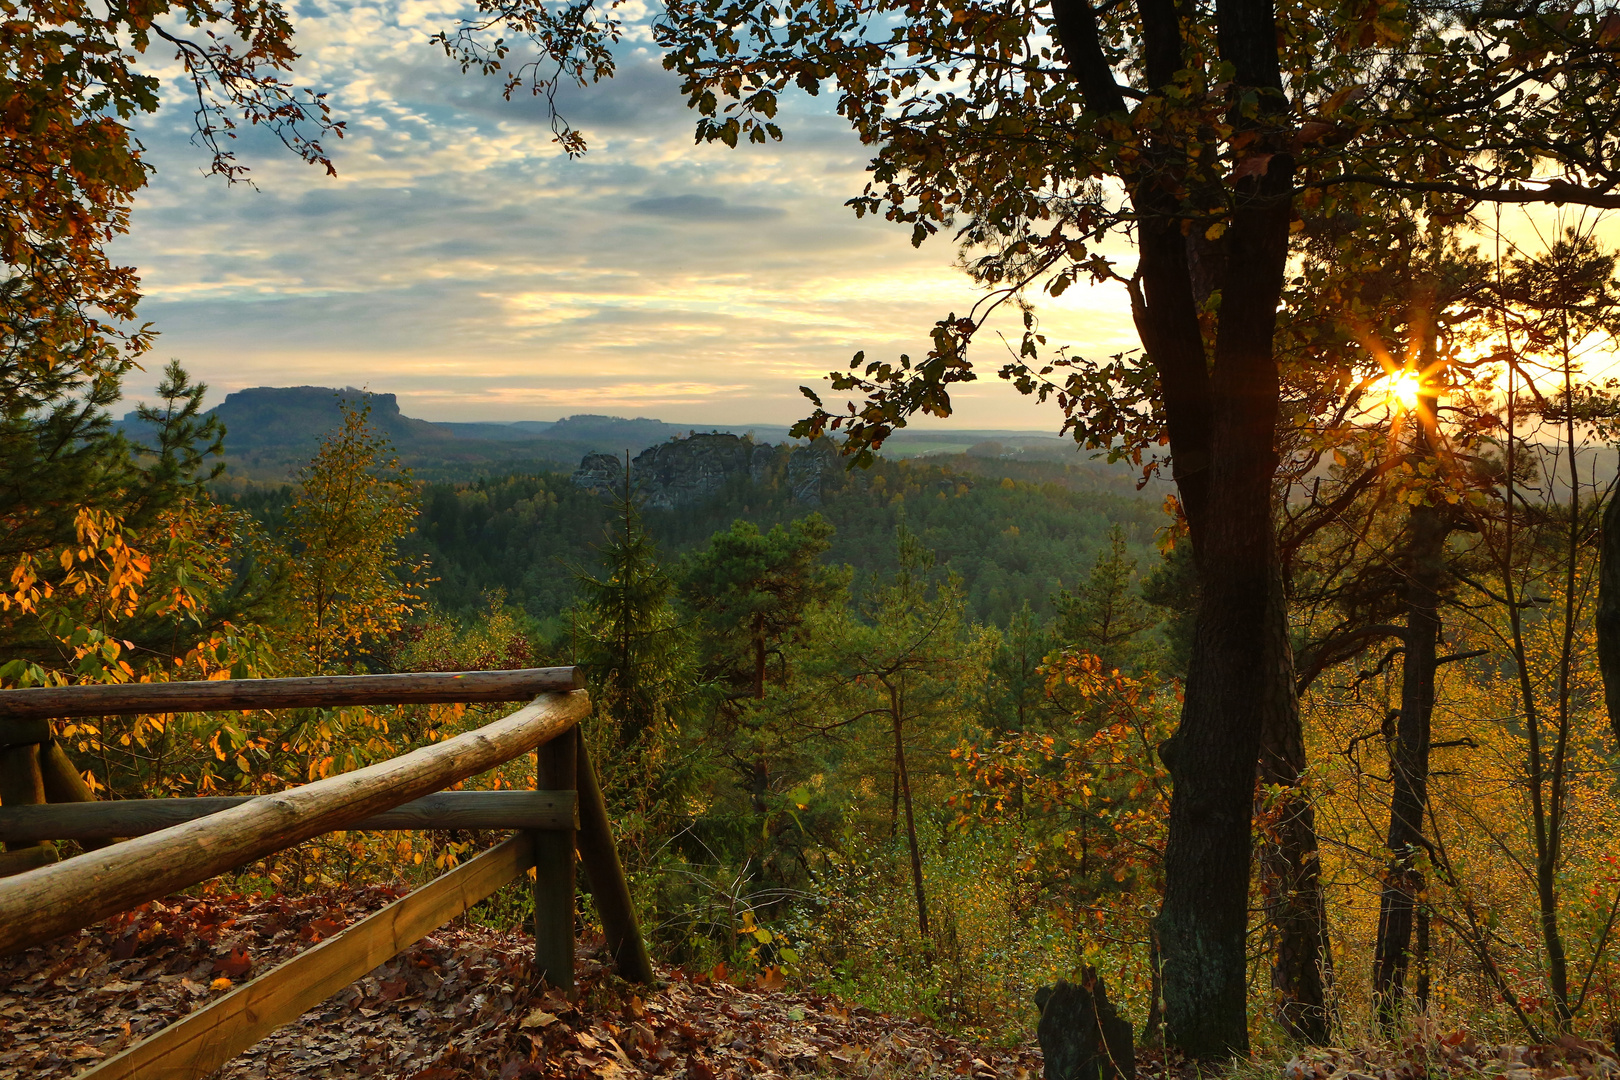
{"points": [[1429, 1055], [458, 1005]]}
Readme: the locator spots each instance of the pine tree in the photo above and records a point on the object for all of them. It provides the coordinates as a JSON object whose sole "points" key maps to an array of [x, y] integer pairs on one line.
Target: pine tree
{"points": [[1107, 615], [635, 650], [1015, 697], [64, 468]]}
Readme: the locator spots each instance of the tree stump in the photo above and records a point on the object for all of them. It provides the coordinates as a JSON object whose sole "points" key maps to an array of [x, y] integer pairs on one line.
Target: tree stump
{"points": [[1081, 1036]]}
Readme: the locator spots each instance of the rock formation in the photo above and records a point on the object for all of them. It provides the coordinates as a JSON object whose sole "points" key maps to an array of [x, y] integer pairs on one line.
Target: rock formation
{"points": [[688, 471]]}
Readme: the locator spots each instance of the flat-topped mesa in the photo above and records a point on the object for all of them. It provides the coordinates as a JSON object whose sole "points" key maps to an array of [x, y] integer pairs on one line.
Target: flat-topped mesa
{"points": [[691, 470]]}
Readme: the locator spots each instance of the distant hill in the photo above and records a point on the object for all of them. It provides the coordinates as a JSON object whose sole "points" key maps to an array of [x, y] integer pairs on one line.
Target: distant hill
{"points": [[271, 431], [289, 416]]}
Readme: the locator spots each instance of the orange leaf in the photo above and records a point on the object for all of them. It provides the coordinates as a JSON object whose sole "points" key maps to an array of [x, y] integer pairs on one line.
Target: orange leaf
{"points": [[234, 965], [1252, 165]]}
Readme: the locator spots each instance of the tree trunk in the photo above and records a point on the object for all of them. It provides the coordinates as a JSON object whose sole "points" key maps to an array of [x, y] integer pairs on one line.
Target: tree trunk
{"points": [[1220, 421], [1290, 867], [1409, 763], [1153, 1027], [903, 781], [1608, 610], [1204, 920], [759, 783], [759, 655]]}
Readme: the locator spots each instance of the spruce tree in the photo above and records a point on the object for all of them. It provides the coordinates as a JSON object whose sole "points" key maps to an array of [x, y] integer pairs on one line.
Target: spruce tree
{"points": [[634, 649]]}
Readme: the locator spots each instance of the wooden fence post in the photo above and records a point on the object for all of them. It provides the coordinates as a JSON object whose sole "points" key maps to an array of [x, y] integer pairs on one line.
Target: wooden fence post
{"points": [[63, 784], [556, 769], [22, 784]]}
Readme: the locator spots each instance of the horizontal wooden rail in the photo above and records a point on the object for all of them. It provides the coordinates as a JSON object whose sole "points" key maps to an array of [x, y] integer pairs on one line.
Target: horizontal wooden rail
{"points": [[203, 1041], [59, 702], [545, 810], [55, 899]]}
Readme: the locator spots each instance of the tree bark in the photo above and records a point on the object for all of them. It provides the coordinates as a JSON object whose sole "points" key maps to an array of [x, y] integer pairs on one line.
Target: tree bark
{"points": [[903, 781], [1220, 420], [1608, 610], [1409, 763], [1204, 918], [1290, 867]]}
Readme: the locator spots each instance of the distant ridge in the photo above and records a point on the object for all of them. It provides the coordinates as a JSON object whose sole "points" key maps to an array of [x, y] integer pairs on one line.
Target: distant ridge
{"points": [[273, 430]]}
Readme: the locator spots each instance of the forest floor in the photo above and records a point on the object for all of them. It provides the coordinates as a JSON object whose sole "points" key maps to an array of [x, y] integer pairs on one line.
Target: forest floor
{"points": [[457, 1005]]}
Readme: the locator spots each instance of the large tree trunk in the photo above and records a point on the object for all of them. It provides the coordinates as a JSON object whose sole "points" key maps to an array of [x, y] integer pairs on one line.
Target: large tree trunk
{"points": [[1608, 610], [1290, 868], [1409, 762], [1220, 420], [1203, 922]]}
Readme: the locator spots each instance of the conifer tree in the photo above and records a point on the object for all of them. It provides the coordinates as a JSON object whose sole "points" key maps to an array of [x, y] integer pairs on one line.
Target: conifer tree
{"points": [[61, 458], [1107, 614], [1015, 696], [752, 591], [634, 646]]}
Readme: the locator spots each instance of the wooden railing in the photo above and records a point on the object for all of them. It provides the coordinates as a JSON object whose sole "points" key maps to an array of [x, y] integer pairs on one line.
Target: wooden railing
{"points": [[175, 843]]}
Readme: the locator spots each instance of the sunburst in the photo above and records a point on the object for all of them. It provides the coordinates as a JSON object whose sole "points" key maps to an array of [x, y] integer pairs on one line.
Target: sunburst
{"points": [[1404, 387]]}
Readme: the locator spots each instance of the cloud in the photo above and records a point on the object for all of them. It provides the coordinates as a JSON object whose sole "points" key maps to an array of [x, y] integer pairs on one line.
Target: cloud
{"points": [[702, 208], [460, 260]]}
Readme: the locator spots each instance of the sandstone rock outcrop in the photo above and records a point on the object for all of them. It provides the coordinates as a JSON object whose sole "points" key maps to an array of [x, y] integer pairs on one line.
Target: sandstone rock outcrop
{"points": [[688, 471]]}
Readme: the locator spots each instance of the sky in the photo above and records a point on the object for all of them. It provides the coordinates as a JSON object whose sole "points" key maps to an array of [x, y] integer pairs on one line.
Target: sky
{"points": [[462, 262]]}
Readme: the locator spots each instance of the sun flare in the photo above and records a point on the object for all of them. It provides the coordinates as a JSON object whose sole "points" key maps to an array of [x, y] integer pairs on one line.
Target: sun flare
{"points": [[1404, 388]]}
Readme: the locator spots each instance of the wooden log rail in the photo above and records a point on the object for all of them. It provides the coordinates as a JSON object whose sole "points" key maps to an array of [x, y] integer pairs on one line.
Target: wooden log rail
{"points": [[427, 687], [180, 842], [545, 810], [204, 1040], [34, 769], [55, 899]]}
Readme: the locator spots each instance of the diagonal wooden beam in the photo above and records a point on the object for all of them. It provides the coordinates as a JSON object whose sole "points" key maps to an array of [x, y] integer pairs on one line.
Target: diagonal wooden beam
{"points": [[609, 889], [203, 1041]]}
